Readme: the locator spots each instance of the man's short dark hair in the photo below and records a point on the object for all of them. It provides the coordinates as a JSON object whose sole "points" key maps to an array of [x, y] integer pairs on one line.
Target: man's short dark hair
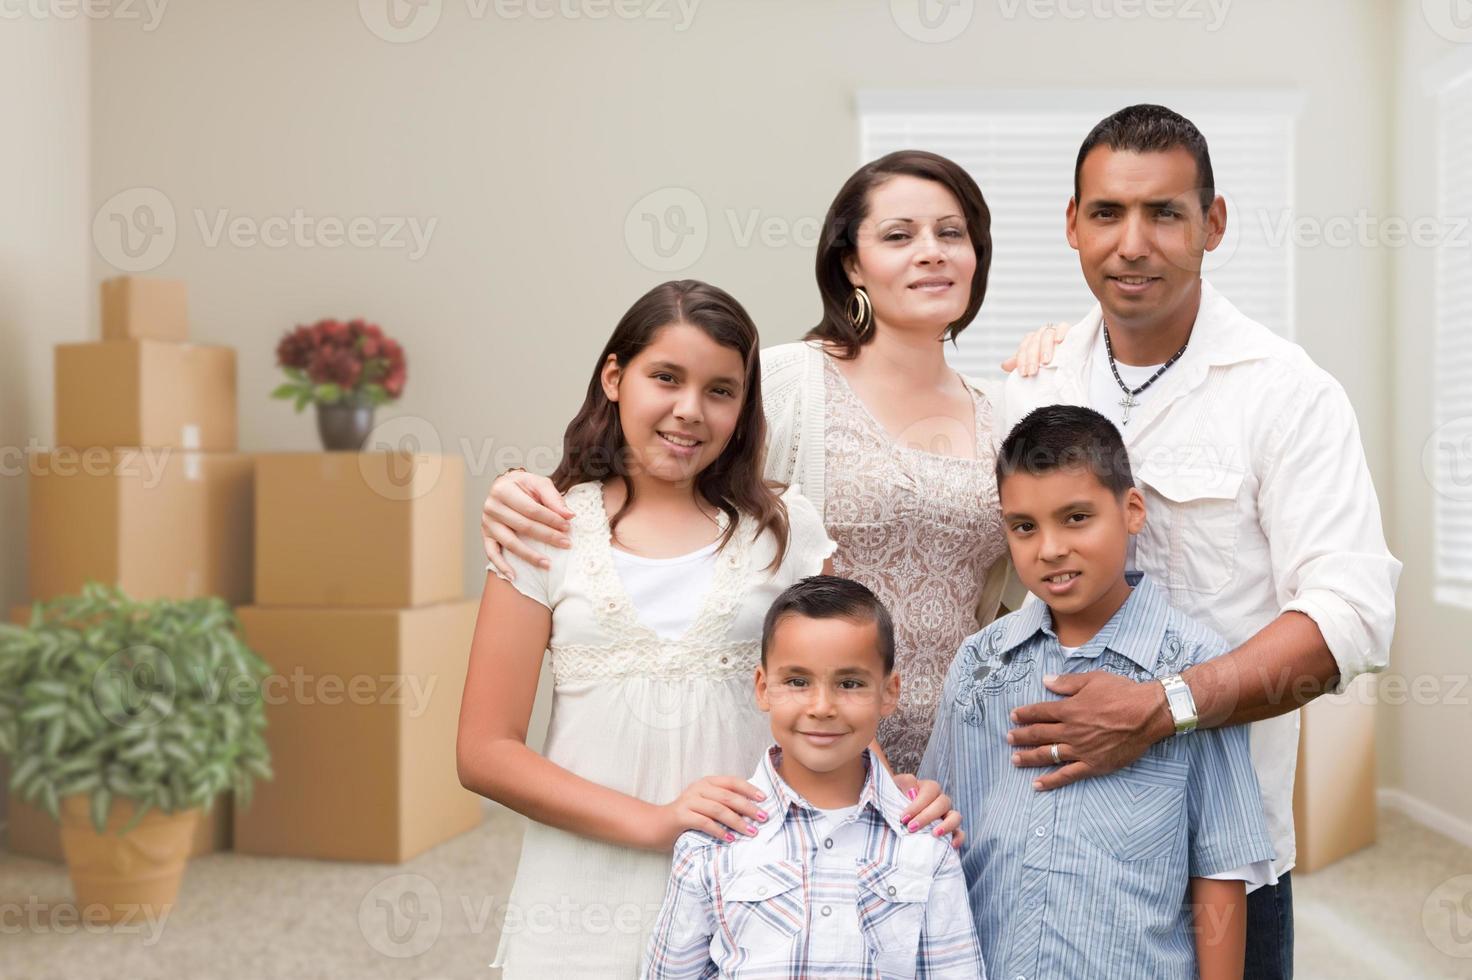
{"points": [[1150, 129], [832, 597], [1060, 437]]}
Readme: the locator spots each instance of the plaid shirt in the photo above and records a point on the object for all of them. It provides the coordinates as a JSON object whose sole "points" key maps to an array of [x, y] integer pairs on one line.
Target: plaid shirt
{"points": [[863, 899]]}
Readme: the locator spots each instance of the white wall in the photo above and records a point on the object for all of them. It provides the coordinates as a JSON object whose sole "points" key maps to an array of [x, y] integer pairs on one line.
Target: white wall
{"points": [[1425, 737], [45, 279]]}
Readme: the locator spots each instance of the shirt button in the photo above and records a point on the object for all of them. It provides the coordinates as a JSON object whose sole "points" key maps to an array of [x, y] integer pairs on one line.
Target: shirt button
{"points": [[891, 889], [828, 842], [826, 910], [762, 890], [1040, 832], [725, 660]]}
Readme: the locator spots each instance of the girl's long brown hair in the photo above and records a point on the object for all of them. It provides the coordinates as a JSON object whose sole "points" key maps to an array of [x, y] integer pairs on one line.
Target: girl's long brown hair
{"points": [[594, 448]]}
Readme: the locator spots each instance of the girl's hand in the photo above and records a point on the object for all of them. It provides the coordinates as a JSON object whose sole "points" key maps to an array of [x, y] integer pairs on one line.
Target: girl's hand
{"points": [[928, 803], [722, 806], [1036, 349], [522, 505]]}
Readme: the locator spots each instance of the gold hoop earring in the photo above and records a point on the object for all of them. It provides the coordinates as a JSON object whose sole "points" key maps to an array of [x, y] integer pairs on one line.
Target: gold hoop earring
{"points": [[861, 311]]}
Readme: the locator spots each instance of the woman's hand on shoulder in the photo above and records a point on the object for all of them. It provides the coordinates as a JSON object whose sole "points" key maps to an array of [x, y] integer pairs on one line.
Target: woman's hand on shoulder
{"points": [[523, 506], [1036, 349], [928, 803], [724, 807]]}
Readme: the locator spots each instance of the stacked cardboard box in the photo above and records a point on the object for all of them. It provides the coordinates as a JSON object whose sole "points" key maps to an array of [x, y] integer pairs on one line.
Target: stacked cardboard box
{"points": [[361, 615], [1334, 806], [144, 488]]}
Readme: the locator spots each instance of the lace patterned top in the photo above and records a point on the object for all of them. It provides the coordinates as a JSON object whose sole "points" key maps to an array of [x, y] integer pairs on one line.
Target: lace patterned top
{"points": [[642, 715], [921, 530]]}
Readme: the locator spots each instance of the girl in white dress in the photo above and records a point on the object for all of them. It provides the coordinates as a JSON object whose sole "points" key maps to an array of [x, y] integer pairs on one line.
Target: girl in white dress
{"points": [[653, 619]]}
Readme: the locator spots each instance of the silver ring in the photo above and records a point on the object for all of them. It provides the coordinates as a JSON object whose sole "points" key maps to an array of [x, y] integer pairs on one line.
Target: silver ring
{"points": [[1056, 759]]}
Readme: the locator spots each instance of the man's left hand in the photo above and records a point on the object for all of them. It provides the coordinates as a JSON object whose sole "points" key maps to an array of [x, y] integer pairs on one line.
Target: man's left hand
{"points": [[1104, 723]]}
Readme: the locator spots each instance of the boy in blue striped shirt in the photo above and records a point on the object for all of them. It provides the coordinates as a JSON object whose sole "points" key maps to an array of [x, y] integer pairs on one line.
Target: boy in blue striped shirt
{"points": [[1138, 873]]}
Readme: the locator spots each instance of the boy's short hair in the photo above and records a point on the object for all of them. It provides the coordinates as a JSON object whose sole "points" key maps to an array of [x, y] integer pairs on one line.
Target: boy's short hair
{"points": [[832, 597], [1058, 437]]}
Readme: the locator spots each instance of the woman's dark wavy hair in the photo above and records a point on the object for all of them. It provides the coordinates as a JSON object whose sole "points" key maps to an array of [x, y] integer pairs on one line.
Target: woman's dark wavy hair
{"points": [[594, 448], [839, 240]]}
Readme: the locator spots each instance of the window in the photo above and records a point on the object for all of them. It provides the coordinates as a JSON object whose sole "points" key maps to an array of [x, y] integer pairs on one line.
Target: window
{"points": [[1450, 451], [1021, 146]]}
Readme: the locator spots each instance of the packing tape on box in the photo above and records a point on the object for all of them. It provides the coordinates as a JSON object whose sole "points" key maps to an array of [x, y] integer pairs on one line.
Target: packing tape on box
{"points": [[193, 466], [189, 437]]}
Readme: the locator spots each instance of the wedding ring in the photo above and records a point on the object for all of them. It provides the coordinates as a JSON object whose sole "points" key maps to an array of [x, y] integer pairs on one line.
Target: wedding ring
{"points": [[1056, 758]]}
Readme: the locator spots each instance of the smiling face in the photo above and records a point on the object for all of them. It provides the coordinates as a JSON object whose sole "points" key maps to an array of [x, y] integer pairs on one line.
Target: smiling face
{"points": [[1141, 232], [825, 686], [679, 400], [914, 256], [1069, 537]]}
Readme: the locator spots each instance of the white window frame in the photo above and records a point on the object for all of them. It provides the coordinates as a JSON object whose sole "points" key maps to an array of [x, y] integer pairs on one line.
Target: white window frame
{"points": [[1448, 80]]}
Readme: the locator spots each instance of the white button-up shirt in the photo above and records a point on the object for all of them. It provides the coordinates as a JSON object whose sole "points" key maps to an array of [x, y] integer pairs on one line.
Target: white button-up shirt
{"points": [[1258, 501]]}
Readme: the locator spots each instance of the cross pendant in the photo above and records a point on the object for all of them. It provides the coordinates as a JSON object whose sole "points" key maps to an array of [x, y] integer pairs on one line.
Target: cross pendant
{"points": [[1128, 402]]}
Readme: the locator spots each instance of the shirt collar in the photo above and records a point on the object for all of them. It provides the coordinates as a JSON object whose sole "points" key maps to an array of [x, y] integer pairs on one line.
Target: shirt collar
{"points": [[1136, 630], [879, 792], [1215, 339]]}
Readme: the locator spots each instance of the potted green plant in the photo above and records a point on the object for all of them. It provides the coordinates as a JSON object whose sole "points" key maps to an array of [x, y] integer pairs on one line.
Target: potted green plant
{"points": [[123, 720], [345, 369]]}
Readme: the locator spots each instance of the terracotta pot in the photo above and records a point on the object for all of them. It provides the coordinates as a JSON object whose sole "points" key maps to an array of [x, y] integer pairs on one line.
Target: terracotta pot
{"points": [[131, 874]]}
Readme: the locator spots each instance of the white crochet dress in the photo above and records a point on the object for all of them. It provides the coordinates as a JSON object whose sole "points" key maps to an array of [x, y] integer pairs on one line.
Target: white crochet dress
{"points": [[643, 715]]}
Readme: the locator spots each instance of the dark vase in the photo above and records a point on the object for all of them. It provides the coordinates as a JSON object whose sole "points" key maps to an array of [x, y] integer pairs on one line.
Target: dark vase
{"points": [[344, 426]]}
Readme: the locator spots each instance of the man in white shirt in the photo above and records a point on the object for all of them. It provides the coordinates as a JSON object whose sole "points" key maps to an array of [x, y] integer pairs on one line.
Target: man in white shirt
{"points": [[1262, 520]]}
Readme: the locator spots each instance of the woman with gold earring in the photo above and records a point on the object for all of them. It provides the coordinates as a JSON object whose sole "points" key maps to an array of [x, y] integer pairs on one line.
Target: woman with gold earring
{"points": [[893, 446]]}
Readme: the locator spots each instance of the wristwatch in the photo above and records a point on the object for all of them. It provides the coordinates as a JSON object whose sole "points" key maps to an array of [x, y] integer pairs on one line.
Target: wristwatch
{"points": [[1182, 705]]}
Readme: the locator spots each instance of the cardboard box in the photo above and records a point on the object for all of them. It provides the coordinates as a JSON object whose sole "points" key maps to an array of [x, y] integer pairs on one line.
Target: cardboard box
{"points": [[119, 393], [362, 710], [381, 530], [1334, 805], [145, 308], [157, 522], [31, 832]]}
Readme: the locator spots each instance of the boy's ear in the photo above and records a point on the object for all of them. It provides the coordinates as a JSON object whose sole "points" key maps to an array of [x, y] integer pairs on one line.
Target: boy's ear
{"points": [[609, 377], [760, 682], [889, 698], [1134, 510]]}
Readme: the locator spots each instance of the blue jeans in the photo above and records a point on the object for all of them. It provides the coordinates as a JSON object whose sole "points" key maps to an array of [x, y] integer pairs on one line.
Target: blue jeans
{"points": [[1270, 932]]}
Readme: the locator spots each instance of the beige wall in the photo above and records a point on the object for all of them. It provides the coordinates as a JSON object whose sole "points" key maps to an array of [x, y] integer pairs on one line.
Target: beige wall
{"points": [[45, 278], [1424, 738], [529, 140]]}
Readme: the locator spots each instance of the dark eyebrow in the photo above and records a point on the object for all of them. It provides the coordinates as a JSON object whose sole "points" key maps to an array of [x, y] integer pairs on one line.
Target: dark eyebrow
{"points": [[1068, 508], [1164, 202], [674, 368], [792, 670], [911, 221]]}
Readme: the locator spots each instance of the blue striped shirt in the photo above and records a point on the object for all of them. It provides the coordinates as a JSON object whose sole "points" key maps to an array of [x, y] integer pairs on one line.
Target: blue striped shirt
{"points": [[1092, 879]]}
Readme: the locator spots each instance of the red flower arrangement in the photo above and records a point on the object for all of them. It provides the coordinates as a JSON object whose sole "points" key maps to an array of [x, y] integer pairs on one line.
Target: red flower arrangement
{"points": [[332, 361]]}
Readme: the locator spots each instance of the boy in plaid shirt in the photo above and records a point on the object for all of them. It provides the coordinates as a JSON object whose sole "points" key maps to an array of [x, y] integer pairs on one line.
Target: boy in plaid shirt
{"points": [[834, 884]]}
